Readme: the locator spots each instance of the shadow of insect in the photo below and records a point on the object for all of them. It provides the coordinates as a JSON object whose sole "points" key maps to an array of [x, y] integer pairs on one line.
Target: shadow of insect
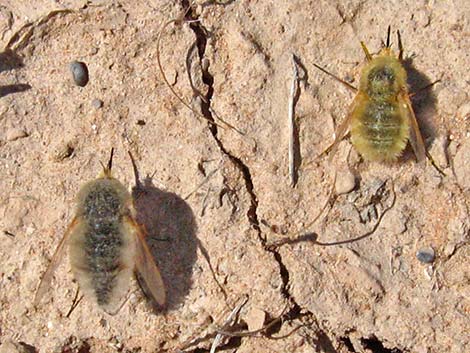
{"points": [[171, 234]]}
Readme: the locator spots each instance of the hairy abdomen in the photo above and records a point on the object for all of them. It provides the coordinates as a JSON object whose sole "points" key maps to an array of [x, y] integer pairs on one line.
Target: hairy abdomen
{"points": [[101, 260], [379, 130], [101, 251]]}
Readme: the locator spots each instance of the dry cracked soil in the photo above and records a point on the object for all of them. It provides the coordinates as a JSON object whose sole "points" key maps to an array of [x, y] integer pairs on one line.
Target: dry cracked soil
{"points": [[240, 249]]}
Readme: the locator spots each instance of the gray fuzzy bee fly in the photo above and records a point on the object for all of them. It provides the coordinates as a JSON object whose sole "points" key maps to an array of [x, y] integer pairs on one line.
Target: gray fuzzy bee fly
{"points": [[106, 245]]}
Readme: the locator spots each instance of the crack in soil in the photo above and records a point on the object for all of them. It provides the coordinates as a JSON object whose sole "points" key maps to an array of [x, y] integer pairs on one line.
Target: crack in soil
{"points": [[296, 311]]}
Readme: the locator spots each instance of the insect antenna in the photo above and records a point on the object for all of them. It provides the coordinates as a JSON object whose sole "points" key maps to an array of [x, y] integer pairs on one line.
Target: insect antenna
{"points": [[138, 184], [110, 162], [107, 169], [400, 46], [388, 37]]}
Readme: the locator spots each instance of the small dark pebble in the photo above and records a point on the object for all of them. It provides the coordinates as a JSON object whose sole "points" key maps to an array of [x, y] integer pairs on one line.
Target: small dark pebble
{"points": [[141, 122], [80, 73], [426, 255], [97, 103]]}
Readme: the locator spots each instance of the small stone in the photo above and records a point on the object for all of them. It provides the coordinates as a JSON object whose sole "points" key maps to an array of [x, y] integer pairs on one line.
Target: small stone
{"points": [[255, 319], [449, 249], [462, 165], [438, 151], [345, 182], [80, 73], [464, 111], [452, 147], [426, 255], [15, 134], [428, 272], [205, 64], [172, 76], [395, 223], [97, 103]]}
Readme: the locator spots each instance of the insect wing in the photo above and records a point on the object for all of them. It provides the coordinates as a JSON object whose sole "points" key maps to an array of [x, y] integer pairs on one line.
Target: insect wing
{"points": [[343, 128], [146, 266], [416, 140], [45, 283]]}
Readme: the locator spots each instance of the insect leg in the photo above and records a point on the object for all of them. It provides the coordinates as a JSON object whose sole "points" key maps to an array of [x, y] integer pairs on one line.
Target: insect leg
{"points": [[411, 95], [75, 302], [347, 84]]}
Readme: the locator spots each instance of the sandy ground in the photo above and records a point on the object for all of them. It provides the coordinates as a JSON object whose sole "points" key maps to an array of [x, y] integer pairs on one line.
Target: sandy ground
{"points": [[226, 228]]}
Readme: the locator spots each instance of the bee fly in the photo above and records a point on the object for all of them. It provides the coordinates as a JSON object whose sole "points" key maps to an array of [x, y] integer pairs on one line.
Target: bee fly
{"points": [[381, 118], [105, 246]]}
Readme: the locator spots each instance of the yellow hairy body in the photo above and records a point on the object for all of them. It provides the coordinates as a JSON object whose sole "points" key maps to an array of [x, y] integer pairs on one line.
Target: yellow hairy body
{"points": [[380, 119]]}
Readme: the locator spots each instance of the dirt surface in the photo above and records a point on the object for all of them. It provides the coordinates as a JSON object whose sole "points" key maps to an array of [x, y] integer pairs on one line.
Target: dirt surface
{"points": [[228, 231]]}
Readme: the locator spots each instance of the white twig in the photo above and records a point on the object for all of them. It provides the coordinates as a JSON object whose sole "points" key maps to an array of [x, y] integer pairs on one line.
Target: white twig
{"points": [[291, 122], [228, 322]]}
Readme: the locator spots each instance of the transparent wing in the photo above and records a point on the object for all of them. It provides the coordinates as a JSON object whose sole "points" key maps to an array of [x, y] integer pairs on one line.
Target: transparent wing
{"points": [[146, 266], [45, 283], [416, 140], [342, 129]]}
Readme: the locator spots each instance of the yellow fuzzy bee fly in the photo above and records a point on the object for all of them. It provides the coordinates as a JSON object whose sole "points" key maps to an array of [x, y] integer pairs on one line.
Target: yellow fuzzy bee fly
{"points": [[106, 245], [381, 118]]}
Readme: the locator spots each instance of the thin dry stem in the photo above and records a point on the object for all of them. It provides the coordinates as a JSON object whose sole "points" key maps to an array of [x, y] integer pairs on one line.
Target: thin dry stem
{"points": [[227, 322], [291, 121]]}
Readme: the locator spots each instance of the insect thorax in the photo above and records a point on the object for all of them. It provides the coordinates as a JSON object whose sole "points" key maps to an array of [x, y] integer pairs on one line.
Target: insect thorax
{"points": [[103, 201], [383, 78]]}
